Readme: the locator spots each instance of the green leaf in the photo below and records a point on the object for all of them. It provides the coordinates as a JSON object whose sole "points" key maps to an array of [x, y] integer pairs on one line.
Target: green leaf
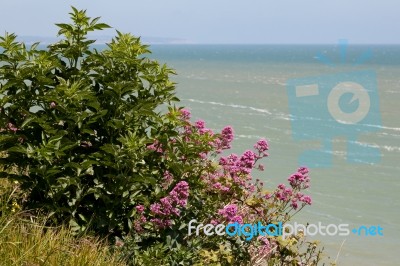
{"points": [[101, 26], [74, 225]]}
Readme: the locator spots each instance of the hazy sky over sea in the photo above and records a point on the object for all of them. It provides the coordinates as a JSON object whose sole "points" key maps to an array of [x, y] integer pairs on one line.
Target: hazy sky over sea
{"points": [[220, 21]]}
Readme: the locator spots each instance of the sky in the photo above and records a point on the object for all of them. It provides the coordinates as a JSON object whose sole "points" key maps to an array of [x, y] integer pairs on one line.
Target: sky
{"points": [[219, 21]]}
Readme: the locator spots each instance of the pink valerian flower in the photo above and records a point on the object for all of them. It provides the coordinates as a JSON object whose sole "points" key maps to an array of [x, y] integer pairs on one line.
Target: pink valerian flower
{"points": [[296, 179], [200, 124], [220, 187], [283, 193], [12, 127], [294, 204], [214, 222], [300, 197], [180, 193], [234, 164], [236, 219], [137, 224], [217, 144], [217, 185], [161, 223], [156, 146], [306, 199], [238, 168], [167, 179], [226, 137], [155, 208], [185, 114], [262, 146], [187, 131], [280, 196], [251, 188], [229, 211], [265, 247], [303, 170], [268, 196], [300, 179], [238, 180], [206, 131], [53, 105], [203, 155], [201, 127], [230, 164], [247, 161], [139, 208], [168, 206], [288, 191], [228, 161]]}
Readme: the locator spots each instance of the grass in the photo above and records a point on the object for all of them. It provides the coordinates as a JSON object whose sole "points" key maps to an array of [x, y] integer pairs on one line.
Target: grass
{"points": [[27, 241]]}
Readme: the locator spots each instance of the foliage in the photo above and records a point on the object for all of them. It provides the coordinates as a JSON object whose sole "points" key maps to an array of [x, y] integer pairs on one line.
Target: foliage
{"points": [[26, 241], [85, 136], [75, 124]]}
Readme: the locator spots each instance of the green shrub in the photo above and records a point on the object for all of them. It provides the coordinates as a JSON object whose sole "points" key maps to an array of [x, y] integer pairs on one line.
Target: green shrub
{"points": [[75, 123]]}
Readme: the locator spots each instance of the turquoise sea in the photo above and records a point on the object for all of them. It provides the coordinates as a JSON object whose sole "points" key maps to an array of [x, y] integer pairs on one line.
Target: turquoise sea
{"points": [[245, 86]]}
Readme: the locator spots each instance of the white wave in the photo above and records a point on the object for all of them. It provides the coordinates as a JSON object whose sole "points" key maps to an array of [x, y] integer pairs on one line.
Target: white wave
{"points": [[231, 105], [383, 127], [393, 92], [387, 134], [374, 145], [249, 136]]}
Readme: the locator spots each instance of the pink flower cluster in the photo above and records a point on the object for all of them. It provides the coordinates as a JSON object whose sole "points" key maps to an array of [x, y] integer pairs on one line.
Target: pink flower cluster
{"points": [[230, 214], [139, 208], [226, 137], [283, 193], [169, 205], [262, 146], [224, 140], [201, 127], [300, 179], [12, 127], [167, 179], [185, 114], [221, 142], [220, 187], [236, 169], [247, 161], [299, 197], [156, 146], [137, 224], [265, 247], [180, 193], [244, 164]]}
